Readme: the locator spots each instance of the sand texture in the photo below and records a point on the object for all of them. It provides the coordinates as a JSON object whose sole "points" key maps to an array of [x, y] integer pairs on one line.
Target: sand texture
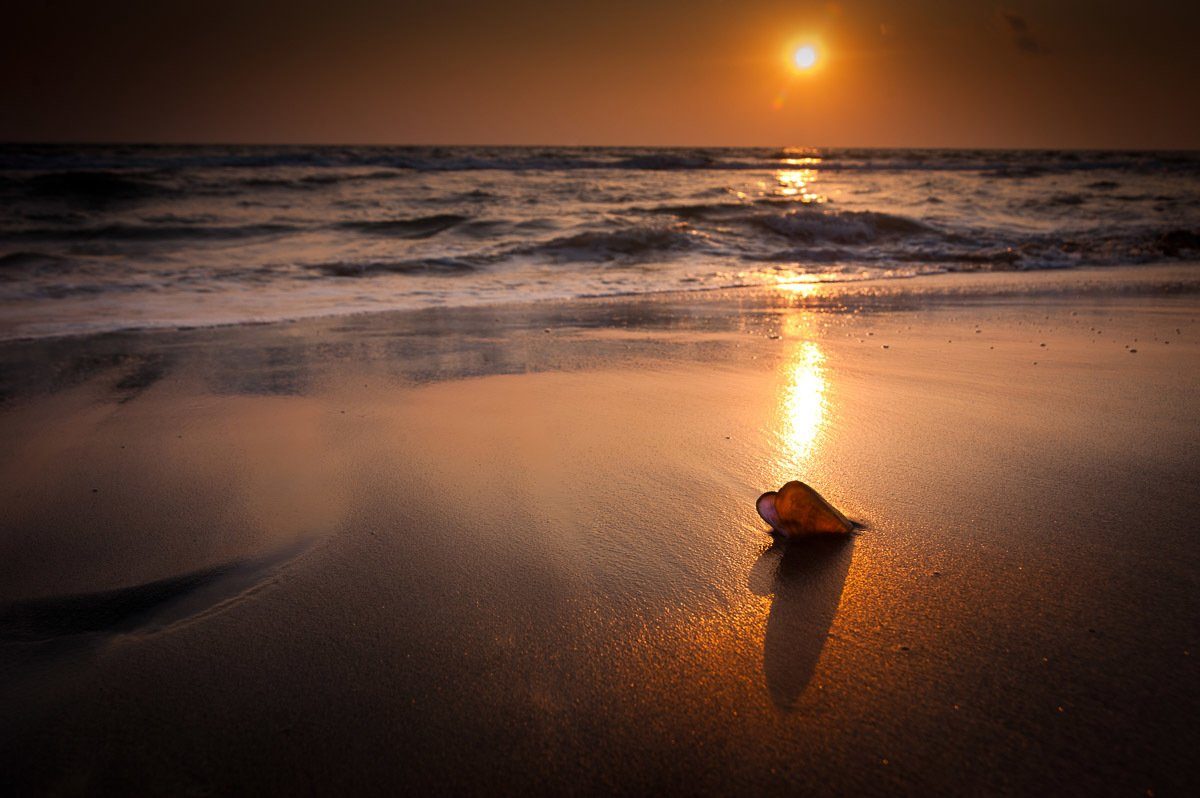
{"points": [[515, 549]]}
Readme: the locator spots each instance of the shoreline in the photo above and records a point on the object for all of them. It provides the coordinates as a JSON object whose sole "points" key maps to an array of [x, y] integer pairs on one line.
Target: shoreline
{"points": [[816, 293]]}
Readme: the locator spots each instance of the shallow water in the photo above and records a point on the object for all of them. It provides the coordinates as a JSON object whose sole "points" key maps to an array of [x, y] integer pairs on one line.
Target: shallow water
{"points": [[102, 238]]}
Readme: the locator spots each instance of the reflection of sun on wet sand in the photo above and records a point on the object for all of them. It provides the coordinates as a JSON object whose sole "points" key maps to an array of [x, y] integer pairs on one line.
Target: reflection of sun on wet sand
{"points": [[803, 577], [802, 406]]}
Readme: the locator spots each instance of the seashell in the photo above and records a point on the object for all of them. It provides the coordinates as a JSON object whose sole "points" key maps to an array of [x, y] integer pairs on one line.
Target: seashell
{"points": [[796, 509]]}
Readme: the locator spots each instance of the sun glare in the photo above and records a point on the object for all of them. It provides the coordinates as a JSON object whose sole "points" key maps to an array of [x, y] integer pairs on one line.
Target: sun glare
{"points": [[805, 57], [802, 407]]}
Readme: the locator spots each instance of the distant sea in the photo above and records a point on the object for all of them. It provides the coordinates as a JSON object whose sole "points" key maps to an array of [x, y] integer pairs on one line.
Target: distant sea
{"points": [[96, 238]]}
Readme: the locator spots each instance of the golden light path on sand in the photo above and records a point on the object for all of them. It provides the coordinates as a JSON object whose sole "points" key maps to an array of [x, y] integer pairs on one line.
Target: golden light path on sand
{"points": [[760, 650], [804, 582], [802, 406]]}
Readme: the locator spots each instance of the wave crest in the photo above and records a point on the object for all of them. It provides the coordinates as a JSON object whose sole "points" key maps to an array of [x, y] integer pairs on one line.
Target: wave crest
{"points": [[843, 227], [417, 227], [629, 243]]}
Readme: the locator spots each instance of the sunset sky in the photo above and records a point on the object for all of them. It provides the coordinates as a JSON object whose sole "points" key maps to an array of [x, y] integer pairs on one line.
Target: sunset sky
{"points": [[963, 73]]}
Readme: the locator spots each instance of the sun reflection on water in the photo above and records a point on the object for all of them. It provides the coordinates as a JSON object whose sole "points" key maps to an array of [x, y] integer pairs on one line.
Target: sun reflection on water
{"points": [[802, 287], [806, 161], [797, 183]]}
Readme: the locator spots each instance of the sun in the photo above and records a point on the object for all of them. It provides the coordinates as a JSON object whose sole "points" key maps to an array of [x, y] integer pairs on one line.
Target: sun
{"points": [[805, 57]]}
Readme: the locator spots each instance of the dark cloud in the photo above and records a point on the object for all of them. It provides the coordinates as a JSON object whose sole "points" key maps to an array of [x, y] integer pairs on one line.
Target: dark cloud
{"points": [[1022, 34]]}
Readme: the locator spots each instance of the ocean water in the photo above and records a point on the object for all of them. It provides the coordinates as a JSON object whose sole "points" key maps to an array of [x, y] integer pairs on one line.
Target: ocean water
{"points": [[111, 237]]}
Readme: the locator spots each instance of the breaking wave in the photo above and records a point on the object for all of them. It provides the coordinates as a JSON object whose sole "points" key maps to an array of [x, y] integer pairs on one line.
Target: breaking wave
{"points": [[630, 243], [845, 227]]}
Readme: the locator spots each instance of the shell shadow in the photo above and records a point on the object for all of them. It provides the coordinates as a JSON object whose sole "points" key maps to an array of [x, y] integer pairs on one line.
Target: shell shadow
{"points": [[806, 577]]}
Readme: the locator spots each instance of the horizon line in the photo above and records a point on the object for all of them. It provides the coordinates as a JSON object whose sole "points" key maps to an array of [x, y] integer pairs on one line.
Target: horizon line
{"points": [[147, 143]]}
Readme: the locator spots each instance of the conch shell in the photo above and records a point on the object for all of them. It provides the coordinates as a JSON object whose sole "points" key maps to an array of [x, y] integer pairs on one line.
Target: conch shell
{"points": [[796, 509]]}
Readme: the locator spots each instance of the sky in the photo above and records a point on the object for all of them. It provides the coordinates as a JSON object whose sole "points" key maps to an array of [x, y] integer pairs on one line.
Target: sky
{"points": [[921, 73]]}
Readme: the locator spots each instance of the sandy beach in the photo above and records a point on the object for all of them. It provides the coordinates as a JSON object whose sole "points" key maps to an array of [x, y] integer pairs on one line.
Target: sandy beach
{"points": [[514, 549]]}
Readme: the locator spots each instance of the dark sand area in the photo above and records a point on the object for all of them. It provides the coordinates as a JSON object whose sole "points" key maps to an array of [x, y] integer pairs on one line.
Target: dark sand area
{"points": [[514, 549]]}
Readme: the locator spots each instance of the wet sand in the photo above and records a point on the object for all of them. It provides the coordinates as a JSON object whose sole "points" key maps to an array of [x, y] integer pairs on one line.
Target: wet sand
{"points": [[515, 549]]}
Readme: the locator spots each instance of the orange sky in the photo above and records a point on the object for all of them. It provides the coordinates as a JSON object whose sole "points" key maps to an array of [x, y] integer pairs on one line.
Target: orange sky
{"points": [[655, 72]]}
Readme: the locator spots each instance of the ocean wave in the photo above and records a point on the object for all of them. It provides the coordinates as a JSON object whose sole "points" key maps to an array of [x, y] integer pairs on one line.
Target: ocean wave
{"points": [[843, 227], [472, 196], [1067, 199], [369, 268], [312, 226], [417, 227], [1056, 202], [321, 179], [699, 210], [148, 232], [760, 212], [310, 181], [323, 165], [992, 250], [671, 160], [20, 264], [629, 243], [996, 257], [1019, 171], [93, 187]]}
